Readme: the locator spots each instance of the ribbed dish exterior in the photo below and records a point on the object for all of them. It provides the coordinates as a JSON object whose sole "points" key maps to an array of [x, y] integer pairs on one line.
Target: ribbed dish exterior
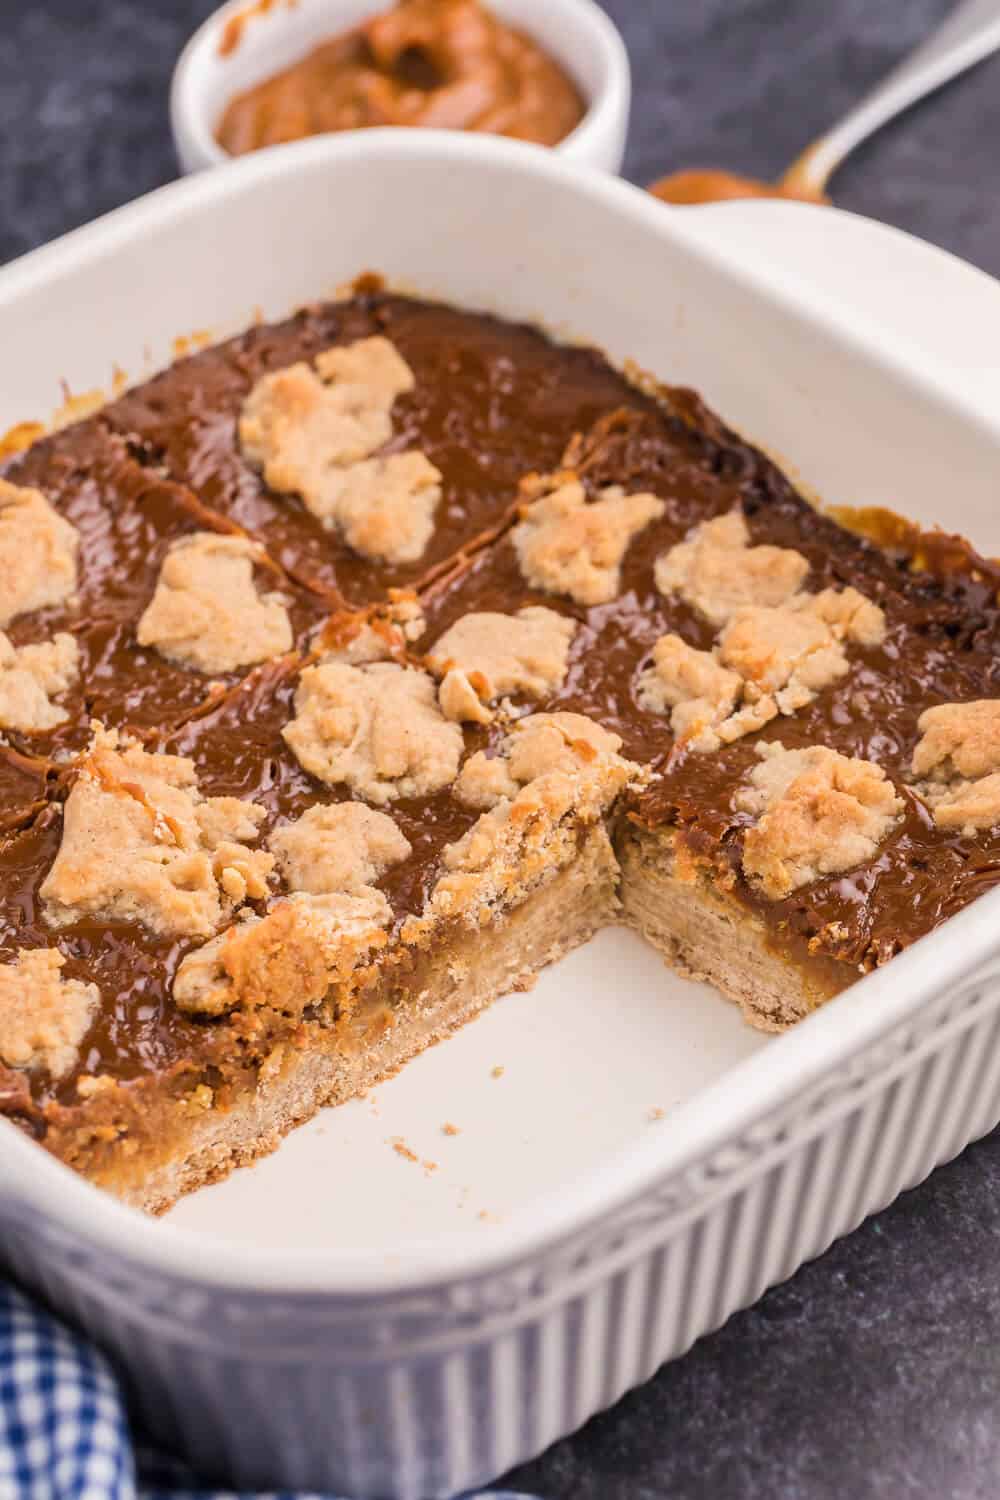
{"points": [[428, 1392]]}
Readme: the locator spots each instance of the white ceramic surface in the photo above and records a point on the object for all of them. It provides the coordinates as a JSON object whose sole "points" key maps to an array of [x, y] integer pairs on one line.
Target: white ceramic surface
{"points": [[591, 1065], [340, 1317], [577, 33]]}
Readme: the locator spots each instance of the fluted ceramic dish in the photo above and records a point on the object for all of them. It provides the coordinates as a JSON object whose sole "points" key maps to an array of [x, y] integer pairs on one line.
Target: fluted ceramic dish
{"points": [[339, 1317]]}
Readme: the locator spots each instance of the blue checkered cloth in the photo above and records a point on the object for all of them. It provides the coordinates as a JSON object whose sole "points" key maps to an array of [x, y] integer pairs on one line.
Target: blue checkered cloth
{"points": [[64, 1434]]}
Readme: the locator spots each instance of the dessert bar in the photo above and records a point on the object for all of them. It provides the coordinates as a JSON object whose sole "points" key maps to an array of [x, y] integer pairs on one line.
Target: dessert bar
{"points": [[356, 668]]}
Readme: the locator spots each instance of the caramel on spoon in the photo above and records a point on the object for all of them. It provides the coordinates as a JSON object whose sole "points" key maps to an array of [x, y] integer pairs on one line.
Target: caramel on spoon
{"points": [[970, 34]]}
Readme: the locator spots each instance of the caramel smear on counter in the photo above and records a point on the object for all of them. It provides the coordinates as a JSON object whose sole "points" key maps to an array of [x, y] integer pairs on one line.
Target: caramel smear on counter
{"points": [[442, 63]]}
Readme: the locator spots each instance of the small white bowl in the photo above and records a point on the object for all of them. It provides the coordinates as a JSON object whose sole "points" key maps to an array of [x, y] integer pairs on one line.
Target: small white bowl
{"points": [[577, 33]]}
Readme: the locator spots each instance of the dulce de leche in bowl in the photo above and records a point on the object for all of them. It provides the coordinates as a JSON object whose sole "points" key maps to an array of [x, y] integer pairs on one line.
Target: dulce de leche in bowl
{"points": [[441, 63]]}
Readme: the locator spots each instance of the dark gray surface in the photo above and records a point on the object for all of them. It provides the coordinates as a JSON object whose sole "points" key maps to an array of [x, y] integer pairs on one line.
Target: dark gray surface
{"points": [[876, 1371]]}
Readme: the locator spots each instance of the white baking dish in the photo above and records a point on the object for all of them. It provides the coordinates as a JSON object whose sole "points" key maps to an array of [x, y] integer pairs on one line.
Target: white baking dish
{"points": [[577, 33], [337, 1317]]}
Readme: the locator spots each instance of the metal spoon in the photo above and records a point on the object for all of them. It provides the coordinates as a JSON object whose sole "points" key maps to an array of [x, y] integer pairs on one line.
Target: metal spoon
{"points": [[970, 34]]}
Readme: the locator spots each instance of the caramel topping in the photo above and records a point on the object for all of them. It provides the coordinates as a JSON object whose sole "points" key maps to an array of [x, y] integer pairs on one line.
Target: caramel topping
{"points": [[910, 639], [491, 401], [127, 519], [442, 63]]}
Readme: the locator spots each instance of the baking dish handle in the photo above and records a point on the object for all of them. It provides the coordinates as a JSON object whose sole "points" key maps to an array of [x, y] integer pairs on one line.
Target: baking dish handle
{"points": [[940, 306]]}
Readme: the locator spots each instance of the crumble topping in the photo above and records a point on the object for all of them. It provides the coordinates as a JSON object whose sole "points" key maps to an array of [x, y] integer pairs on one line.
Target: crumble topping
{"points": [[958, 740], [38, 553], [295, 422], [385, 506], [702, 696], [538, 745], [373, 367], [767, 660], [698, 690], [376, 729], [556, 772], [313, 433], [485, 656], [31, 676], [512, 849], [958, 755], [566, 545], [475, 850], [141, 844], [380, 633], [485, 780], [226, 825], [295, 428], [43, 1017], [797, 649], [287, 960], [344, 847], [850, 615], [207, 613], [357, 650], [969, 806], [560, 741], [785, 651], [819, 813], [460, 701], [717, 571]]}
